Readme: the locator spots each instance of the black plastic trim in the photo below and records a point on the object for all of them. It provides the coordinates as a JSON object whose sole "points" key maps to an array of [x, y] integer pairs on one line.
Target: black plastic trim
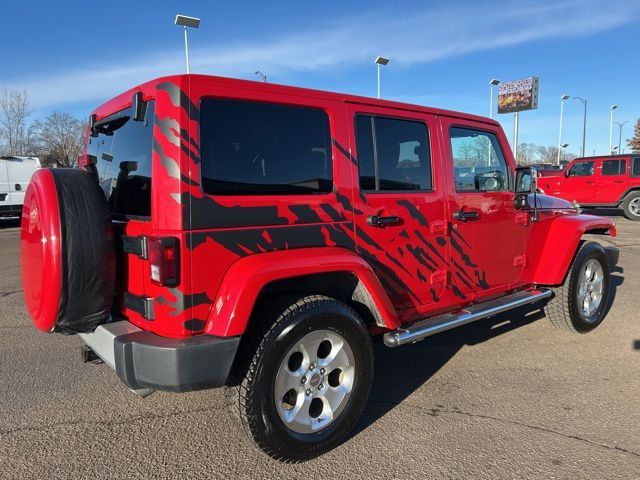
{"points": [[613, 255], [135, 246], [146, 360], [141, 305]]}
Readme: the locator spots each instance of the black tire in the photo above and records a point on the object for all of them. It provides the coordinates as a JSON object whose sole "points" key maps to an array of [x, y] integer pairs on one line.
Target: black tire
{"points": [[630, 206], [250, 393], [563, 309]]}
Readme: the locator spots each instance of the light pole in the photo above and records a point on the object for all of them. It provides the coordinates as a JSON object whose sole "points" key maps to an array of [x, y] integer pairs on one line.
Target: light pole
{"points": [[262, 76], [380, 61], [493, 83], [613, 107], [584, 125], [620, 125], [563, 99], [190, 22], [561, 149]]}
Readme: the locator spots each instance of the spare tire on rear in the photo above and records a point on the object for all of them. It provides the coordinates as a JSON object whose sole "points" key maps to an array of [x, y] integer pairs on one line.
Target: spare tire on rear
{"points": [[67, 251]]}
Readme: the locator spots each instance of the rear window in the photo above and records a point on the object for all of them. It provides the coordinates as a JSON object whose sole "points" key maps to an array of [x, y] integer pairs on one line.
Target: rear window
{"points": [[263, 148], [123, 159], [614, 167], [636, 167]]}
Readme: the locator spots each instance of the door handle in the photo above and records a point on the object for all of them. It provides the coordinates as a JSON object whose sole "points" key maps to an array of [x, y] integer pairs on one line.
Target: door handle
{"points": [[590, 182], [376, 221], [618, 181], [466, 216]]}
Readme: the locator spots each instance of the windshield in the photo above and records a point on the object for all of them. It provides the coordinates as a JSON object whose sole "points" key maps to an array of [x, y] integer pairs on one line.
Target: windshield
{"points": [[123, 159]]}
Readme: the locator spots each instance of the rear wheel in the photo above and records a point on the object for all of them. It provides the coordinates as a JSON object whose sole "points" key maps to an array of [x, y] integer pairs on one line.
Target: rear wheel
{"points": [[301, 382], [631, 206], [580, 304]]}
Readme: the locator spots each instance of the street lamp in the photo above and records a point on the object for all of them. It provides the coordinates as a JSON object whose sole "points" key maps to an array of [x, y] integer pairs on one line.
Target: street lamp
{"points": [[380, 61], [187, 22], [493, 83], [563, 99], [262, 76], [613, 107], [620, 125], [584, 125]]}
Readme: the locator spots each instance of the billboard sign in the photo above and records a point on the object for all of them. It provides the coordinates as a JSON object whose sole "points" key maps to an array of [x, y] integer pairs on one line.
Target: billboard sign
{"points": [[518, 95]]}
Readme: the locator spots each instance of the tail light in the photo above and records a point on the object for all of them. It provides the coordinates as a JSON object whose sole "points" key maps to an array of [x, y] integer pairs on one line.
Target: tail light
{"points": [[164, 260]]}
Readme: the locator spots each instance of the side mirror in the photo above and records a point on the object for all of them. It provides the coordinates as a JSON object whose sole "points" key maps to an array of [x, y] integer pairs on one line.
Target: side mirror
{"points": [[526, 180]]}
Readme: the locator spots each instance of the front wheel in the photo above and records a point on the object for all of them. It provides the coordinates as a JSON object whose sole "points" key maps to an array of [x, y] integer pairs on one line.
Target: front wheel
{"points": [[302, 380], [580, 304]]}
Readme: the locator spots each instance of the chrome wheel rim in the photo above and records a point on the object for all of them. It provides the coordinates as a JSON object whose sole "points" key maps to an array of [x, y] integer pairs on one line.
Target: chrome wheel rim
{"points": [[634, 207], [314, 381], [590, 289]]}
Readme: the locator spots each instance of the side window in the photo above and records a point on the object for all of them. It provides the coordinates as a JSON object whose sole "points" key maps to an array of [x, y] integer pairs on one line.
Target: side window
{"points": [[614, 167], [123, 150], [255, 148], [393, 154], [635, 170], [581, 169], [478, 162]]}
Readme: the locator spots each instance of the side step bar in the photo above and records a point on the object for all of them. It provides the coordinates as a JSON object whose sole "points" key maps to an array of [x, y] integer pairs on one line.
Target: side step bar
{"points": [[440, 323]]}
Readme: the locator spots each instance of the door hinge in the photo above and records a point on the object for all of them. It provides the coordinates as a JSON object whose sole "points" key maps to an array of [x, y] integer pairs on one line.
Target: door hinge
{"points": [[440, 227], [441, 278], [520, 261], [135, 246], [140, 304], [522, 218]]}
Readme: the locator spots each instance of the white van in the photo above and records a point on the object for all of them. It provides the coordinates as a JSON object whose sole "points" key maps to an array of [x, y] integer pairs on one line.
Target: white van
{"points": [[15, 174]]}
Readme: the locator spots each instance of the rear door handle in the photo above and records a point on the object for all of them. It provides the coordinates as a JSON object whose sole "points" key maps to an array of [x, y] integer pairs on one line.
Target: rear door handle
{"points": [[618, 181], [376, 221], [590, 182], [466, 216]]}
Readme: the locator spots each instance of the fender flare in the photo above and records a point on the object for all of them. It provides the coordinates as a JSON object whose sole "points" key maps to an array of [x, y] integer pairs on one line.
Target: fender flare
{"points": [[245, 279], [628, 192], [553, 246]]}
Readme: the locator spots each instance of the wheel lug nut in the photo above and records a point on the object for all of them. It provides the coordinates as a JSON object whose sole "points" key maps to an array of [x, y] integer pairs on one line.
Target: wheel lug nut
{"points": [[312, 366], [308, 392], [303, 380], [321, 386], [322, 370]]}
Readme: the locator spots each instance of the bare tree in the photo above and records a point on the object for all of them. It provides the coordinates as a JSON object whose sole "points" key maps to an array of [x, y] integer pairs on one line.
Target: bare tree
{"points": [[14, 131], [59, 138], [527, 153], [634, 142], [550, 155]]}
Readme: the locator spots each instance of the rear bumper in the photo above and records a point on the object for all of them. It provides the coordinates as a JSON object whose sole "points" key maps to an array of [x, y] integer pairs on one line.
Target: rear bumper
{"points": [[613, 255], [144, 360]]}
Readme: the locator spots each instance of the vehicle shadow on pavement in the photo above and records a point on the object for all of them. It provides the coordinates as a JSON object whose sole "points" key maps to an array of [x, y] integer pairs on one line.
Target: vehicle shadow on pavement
{"points": [[404, 370], [9, 223], [604, 212]]}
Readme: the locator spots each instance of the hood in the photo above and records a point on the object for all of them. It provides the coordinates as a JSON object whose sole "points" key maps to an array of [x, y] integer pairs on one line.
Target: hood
{"points": [[550, 173], [547, 202]]}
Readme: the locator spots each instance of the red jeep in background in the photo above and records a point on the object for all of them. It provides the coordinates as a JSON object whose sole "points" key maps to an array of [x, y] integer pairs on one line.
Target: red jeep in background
{"points": [[231, 233], [593, 182]]}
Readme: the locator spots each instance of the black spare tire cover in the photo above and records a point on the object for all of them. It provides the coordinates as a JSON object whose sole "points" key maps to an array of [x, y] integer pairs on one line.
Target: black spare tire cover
{"points": [[85, 253]]}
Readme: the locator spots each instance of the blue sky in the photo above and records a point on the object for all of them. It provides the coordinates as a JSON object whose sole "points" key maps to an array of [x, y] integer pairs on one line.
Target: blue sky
{"points": [[73, 55]]}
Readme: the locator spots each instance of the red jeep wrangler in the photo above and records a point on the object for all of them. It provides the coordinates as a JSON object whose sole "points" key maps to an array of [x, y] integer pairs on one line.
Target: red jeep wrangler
{"points": [[231, 233], [609, 181]]}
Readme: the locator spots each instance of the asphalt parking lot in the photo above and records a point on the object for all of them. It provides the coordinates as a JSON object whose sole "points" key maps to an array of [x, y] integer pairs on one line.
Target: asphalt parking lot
{"points": [[510, 397]]}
